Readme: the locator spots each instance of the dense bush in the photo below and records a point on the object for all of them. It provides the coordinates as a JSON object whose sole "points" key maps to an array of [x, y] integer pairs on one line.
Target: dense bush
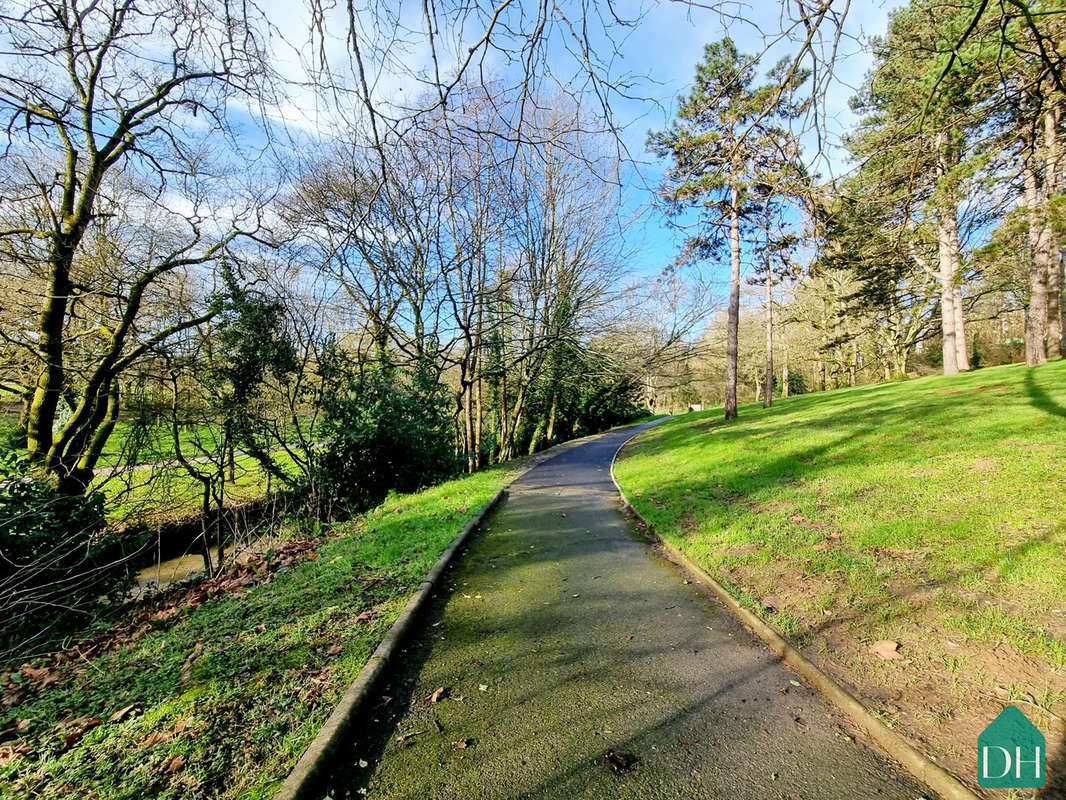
{"points": [[56, 558], [796, 384], [385, 429]]}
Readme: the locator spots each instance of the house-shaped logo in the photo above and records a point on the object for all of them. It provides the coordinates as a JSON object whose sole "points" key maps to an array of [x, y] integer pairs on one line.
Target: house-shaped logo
{"points": [[1011, 753]]}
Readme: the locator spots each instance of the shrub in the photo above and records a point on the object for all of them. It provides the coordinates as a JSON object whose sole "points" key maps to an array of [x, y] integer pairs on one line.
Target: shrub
{"points": [[796, 384], [56, 557], [385, 429]]}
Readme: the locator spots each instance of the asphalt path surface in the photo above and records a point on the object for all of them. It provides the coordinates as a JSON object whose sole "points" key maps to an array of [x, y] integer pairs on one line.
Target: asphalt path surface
{"points": [[578, 663]]}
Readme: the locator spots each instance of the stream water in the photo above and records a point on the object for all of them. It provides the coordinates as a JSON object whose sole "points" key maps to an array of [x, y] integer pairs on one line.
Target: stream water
{"points": [[162, 574]]}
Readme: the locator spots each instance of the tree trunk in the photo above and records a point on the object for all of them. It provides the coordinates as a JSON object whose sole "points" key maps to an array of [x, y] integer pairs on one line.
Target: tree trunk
{"points": [[40, 420], [551, 417], [479, 418], [900, 358], [962, 357], [947, 236], [205, 522], [502, 443], [784, 375], [516, 418], [769, 399], [733, 322], [479, 421], [1056, 334], [1052, 187], [466, 407], [1040, 241]]}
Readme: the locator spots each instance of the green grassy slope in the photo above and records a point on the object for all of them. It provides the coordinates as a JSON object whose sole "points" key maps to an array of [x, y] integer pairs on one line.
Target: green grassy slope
{"points": [[929, 512], [228, 693]]}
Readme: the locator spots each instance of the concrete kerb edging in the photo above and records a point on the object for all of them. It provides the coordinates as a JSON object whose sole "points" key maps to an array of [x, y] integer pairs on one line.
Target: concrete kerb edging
{"points": [[309, 769], [917, 764]]}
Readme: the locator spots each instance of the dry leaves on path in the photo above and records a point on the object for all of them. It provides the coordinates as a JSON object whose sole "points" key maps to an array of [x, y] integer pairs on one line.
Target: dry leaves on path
{"points": [[122, 713]]}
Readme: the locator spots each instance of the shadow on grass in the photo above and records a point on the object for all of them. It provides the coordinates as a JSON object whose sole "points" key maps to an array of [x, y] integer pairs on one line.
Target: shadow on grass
{"points": [[737, 488], [686, 691], [1039, 397]]}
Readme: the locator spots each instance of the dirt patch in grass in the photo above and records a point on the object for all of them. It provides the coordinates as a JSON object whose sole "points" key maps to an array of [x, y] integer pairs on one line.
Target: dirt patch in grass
{"points": [[938, 692]]}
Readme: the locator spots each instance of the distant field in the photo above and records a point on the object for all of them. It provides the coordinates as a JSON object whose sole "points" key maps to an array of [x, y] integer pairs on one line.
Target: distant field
{"points": [[169, 493], [165, 491], [927, 512]]}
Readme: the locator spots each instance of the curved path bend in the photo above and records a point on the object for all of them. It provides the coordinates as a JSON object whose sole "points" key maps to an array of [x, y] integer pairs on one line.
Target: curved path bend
{"points": [[560, 636]]}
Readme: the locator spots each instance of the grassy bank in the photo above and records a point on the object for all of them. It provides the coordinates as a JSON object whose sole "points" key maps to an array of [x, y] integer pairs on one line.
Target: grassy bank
{"points": [[927, 512], [218, 697]]}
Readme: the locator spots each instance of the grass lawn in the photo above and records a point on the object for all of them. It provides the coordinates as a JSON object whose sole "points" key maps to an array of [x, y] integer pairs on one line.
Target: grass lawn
{"points": [[157, 442], [927, 512], [227, 693], [169, 493]]}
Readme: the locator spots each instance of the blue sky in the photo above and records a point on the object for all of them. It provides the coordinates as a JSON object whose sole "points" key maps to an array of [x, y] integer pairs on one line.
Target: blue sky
{"points": [[668, 44], [663, 47]]}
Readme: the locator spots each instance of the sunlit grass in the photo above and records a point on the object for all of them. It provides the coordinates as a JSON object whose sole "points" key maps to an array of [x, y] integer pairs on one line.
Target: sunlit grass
{"points": [[869, 499]]}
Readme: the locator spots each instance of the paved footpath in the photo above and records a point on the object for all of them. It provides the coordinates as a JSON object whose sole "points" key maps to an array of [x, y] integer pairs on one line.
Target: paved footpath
{"points": [[560, 638]]}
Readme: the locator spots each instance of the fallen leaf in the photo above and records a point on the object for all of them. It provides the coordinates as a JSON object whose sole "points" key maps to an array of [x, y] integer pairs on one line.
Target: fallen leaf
{"points": [[335, 650], [364, 616], [181, 725], [122, 713], [176, 763], [436, 696], [405, 737], [886, 649], [78, 727], [154, 738], [462, 744]]}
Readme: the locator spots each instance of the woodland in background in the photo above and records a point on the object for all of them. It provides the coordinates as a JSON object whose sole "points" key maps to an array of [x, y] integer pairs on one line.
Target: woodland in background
{"points": [[942, 248]]}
